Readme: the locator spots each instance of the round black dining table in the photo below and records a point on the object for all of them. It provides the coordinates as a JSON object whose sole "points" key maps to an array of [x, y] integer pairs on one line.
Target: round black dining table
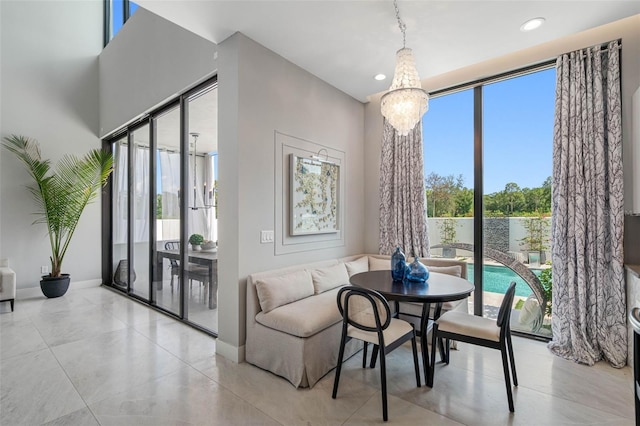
{"points": [[439, 288]]}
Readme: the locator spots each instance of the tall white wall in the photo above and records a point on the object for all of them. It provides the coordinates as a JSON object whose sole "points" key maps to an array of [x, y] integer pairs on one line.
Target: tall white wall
{"points": [[149, 61], [627, 29], [49, 91], [261, 93]]}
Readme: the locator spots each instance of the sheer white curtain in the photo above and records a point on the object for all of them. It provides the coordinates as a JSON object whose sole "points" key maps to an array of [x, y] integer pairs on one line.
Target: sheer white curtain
{"points": [[170, 183], [120, 190], [201, 220], [140, 193], [589, 301]]}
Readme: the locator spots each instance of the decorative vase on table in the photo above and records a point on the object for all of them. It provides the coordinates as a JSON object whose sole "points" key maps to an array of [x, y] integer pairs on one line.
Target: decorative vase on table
{"points": [[398, 265], [416, 272]]}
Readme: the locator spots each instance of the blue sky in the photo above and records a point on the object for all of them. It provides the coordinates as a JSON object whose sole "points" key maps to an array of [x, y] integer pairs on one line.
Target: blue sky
{"points": [[518, 132]]}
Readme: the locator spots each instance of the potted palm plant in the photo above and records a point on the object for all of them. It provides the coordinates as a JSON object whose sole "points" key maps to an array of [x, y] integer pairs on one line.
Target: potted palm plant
{"points": [[61, 196]]}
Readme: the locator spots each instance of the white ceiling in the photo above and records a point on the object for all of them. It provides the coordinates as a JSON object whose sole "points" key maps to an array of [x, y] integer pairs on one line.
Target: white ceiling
{"points": [[346, 43]]}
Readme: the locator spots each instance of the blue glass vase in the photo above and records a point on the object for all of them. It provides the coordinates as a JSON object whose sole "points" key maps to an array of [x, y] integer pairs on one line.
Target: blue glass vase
{"points": [[416, 271], [398, 265]]}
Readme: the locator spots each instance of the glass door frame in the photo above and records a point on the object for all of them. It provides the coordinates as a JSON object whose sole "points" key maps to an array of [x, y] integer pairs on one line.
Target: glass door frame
{"points": [[478, 180], [107, 204]]}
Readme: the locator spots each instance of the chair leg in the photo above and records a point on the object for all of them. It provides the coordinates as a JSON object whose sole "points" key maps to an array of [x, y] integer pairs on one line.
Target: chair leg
{"points": [[414, 348], [383, 385], [432, 366], [507, 380], [339, 366], [11, 302], [364, 355], [447, 351], [443, 354], [374, 356], [512, 360]]}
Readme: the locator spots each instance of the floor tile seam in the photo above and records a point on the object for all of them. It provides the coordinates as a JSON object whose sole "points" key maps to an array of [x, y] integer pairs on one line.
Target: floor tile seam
{"points": [[562, 398], [183, 361], [233, 393], [374, 394], [132, 388], [146, 383], [178, 356], [73, 385]]}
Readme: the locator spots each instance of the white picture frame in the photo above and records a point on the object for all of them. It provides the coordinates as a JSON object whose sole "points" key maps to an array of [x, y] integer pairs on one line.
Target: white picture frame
{"points": [[315, 196]]}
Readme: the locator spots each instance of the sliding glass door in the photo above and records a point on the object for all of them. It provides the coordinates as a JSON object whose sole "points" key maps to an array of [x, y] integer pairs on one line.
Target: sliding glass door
{"points": [[202, 292], [140, 218], [167, 213], [163, 217]]}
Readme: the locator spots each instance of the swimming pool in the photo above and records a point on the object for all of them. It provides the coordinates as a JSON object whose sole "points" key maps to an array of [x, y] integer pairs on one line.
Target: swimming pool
{"points": [[497, 279]]}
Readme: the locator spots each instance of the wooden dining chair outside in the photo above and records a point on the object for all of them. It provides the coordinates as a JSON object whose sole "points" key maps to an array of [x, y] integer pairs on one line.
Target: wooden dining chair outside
{"points": [[366, 316], [481, 331]]}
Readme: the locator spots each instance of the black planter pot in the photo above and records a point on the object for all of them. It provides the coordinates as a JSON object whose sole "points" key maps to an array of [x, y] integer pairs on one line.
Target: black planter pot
{"points": [[55, 286]]}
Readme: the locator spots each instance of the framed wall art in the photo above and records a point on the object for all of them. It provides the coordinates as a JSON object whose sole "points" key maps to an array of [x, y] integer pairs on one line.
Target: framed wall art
{"points": [[315, 195]]}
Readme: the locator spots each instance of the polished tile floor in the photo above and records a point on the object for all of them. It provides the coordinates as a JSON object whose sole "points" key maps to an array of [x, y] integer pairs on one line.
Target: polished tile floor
{"points": [[94, 357]]}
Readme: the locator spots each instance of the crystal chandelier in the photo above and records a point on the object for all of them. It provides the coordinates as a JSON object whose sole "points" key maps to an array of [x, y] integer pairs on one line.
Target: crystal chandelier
{"points": [[406, 102]]}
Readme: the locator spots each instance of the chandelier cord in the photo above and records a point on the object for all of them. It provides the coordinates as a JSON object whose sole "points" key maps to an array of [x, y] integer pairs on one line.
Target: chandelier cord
{"points": [[401, 25]]}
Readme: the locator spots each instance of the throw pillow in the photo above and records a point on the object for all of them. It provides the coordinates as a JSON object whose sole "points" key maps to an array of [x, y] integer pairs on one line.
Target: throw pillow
{"points": [[330, 277], [456, 270], [377, 264], [283, 289], [357, 266]]}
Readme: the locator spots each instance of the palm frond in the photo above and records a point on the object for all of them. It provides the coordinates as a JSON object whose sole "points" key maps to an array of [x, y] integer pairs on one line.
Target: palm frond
{"points": [[61, 195]]}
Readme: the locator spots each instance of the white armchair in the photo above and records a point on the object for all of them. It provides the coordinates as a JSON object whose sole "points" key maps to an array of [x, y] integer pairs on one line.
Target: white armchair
{"points": [[7, 283]]}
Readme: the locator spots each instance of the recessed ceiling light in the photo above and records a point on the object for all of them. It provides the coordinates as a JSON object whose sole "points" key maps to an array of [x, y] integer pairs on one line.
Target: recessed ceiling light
{"points": [[532, 24], [380, 77]]}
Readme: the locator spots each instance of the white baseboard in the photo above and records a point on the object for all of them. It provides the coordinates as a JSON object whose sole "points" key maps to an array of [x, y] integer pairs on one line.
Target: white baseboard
{"points": [[233, 353], [25, 293]]}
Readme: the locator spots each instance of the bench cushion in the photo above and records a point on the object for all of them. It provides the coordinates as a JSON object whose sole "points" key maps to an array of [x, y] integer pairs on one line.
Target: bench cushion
{"points": [[306, 317], [357, 266], [283, 289], [329, 277]]}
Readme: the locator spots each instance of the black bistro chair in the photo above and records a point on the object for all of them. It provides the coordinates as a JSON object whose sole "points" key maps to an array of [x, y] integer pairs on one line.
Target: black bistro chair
{"points": [[455, 325], [366, 316], [194, 272]]}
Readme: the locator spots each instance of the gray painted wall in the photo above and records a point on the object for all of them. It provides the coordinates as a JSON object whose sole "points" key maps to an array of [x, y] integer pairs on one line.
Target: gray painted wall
{"points": [[49, 91], [150, 61], [628, 29], [260, 93]]}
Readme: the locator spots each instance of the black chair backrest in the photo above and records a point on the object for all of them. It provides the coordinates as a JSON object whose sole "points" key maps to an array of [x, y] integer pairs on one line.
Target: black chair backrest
{"points": [[172, 245], [365, 309], [504, 314]]}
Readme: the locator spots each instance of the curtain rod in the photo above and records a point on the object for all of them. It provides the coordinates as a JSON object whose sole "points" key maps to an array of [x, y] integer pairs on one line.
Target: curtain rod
{"points": [[549, 63]]}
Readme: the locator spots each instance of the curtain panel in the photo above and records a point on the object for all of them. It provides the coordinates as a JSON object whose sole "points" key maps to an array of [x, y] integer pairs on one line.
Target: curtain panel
{"points": [[403, 219], [589, 303]]}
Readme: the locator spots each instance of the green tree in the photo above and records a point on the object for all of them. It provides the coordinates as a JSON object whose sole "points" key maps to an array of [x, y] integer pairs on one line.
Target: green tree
{"points": [[464, 202], [513, 198], [441, 191], [159, 206]]}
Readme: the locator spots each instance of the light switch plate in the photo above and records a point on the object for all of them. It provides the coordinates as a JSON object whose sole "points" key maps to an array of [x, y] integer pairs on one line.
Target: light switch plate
{"points": [[266, 237]]}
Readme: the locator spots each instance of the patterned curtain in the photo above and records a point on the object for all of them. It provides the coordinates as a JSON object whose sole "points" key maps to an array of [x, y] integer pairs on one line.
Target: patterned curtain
{"points": [[589, 306], [403, 219]]}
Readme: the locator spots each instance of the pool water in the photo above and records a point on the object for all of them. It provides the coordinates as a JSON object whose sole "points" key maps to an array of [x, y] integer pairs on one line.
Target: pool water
{"points": [[497, 279]]}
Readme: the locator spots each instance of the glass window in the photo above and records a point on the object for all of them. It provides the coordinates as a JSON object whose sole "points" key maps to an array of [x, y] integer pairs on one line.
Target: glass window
{"points": [[516, 161], [117, 12]]}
